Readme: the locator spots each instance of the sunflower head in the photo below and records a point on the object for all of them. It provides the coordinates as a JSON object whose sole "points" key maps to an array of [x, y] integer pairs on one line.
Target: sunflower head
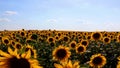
{"points": [[18, 45], [89, 37], [61, 53], [80, 49], [50, 39], [12, 42], [13, 59], [106, 40], [84, 42], [65, 39], [97, 60], [96, 36], [18, 63], [72, 44], [5, 40], [22, 34]]}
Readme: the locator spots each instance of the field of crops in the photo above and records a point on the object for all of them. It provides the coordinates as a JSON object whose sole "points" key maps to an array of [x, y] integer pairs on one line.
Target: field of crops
{"points": [[59, 49]]}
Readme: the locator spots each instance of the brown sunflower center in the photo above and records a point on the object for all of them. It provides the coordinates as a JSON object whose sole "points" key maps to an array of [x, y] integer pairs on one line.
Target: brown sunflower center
{"points": [[96, 36], [22, 33], [97, 61], [18, 46], [84, 43], [73, 45], [88, 37], [61, 53], [57, 38], [80, 49], [13, 43], [6, 41], [106, 40], [65, 39], [18, 63], [50, 39]]}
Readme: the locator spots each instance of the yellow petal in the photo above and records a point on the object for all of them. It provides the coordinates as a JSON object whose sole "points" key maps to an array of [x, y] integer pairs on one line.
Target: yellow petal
{"points": [[69, 63], [33, 61], [58, 65], [10, 51], [23, 55], [2, 63], [76, 65], [5, 54], [28, 55], [3, 58], [15, 52], [36, 66], [35, 55]]}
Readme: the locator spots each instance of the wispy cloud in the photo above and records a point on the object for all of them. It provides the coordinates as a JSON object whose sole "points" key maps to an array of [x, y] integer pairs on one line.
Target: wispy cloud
{"points": [[5, 20], [10, 13]]}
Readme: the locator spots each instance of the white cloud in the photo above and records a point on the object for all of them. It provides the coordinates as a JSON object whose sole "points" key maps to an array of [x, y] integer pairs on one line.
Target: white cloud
{"points": [[10, 13], [5, 20]]}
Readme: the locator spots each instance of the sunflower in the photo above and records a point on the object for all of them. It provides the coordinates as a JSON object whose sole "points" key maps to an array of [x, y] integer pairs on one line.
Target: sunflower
{"points": [[80, 49], [65, 39], [14, 60], [33, 51], [97, 60], [118, 38], [18, 45], [106, 40], [67, 64], [22, 33], [72, 44], [34, 36], [96, 35], [57, 38], [50, 39], [5, 40], [61, 53], [84, 42], [12, 42], [88, 37]]}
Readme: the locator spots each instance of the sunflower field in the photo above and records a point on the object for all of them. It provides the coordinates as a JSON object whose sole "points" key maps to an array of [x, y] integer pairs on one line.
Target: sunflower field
{"points": [[59, 49]]}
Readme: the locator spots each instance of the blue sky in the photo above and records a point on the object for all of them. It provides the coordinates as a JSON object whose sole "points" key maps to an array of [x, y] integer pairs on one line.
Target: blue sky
{"points": [[80, 15]]}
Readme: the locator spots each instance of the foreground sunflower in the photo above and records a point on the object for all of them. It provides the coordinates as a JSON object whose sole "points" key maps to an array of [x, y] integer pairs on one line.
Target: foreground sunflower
{"points": [[14, 60], [61, 53], [97, 60], [67, 64]]}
